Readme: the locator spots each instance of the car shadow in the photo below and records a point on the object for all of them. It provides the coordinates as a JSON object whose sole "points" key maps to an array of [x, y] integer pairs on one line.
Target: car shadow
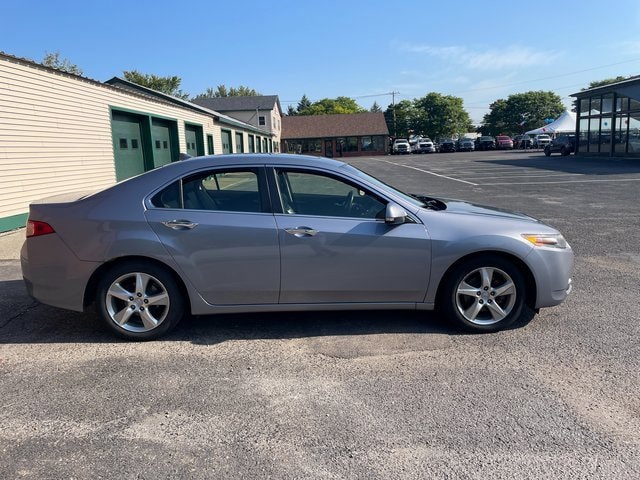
{"points": [[23, 321], [572, 164]]}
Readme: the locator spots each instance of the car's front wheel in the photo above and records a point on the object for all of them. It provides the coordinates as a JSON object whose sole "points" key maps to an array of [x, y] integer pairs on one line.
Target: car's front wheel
{"points": [[139, 300], [485, 294]]}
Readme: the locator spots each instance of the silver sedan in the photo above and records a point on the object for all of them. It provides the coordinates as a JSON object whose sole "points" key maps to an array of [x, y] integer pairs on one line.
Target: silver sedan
{"points": [[250, 233]]}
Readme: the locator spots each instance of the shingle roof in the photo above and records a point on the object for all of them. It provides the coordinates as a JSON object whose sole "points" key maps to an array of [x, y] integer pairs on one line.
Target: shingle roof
{"points": [[318, 126], [237, 104]]}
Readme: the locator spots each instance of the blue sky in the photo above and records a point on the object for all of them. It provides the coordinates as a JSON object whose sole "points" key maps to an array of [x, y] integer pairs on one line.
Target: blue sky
{"points": [[360, 49]]}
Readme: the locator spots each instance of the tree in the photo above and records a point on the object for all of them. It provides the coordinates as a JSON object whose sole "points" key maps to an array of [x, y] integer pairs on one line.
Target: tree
{"points": [[53, 60], [303, 104], [332, 106], [606, 81], [375, 107], [223, 91], [400, 118], [169, 85], [291, 111], [521, 112], [440, 115]]}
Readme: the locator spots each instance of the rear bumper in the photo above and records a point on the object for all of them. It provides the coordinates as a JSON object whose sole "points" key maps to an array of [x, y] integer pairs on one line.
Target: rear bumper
{"points": [[52, 274]]}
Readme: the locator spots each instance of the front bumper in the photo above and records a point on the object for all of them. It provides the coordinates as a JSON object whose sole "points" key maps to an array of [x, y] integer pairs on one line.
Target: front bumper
{"points": [[552, 269]]}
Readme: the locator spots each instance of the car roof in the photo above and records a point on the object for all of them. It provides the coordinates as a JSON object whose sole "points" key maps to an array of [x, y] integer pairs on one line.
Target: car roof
{"points": [[253, 158]]}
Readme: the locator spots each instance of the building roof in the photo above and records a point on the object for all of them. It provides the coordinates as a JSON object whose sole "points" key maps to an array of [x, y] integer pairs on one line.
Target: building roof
{"points": [[239, 104], [134, 87], [610, 87], [344, 125]]}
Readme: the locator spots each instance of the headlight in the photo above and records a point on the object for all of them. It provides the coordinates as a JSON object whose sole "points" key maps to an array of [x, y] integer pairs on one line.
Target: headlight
{"points": [[552, 240]]}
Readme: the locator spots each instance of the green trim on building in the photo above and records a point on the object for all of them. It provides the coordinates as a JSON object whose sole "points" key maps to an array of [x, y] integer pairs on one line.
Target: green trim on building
{"points": [[15, 221]]}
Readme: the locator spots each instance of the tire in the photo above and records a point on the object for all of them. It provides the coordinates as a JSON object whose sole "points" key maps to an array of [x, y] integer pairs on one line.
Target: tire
{"points": [[139, 300], [485, 294], [547, 151], [564, 151]]}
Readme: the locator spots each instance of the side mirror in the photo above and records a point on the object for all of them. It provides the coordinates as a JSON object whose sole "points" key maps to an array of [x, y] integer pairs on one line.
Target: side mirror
{"points": [[394, 214]]}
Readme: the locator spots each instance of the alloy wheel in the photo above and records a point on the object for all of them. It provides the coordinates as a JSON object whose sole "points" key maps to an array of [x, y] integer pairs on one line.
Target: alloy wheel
{"points": [[485, 296]]}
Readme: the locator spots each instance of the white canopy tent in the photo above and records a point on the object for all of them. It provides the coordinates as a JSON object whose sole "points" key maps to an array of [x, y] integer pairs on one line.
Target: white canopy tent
{"points": [[565, 123]]}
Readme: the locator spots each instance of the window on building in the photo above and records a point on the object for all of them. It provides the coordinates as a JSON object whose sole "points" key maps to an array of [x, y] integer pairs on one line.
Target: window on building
{"points": [[594, 135], [634, 104], [605, 134], [634, 133], [584, 107], [622, 104], [596, 105], [607, 103], [252, 144], [261, 120], [620, 139], [351, 144], [583, 139]]}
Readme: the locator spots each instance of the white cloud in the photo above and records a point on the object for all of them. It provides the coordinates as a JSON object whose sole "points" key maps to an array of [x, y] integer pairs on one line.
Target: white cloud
{"points": [[508, 57]]}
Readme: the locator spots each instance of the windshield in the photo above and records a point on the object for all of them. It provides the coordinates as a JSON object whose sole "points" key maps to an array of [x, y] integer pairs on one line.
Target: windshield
{"points": [[373, 180]]}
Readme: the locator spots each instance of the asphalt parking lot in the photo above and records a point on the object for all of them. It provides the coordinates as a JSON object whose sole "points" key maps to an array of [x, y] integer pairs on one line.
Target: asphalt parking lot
{"points": [[360, 394]]}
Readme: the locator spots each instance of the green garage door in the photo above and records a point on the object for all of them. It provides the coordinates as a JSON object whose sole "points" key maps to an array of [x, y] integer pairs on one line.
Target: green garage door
{"points": [[239, 142], [127, 145], [226, 141], [191, 137], [161, 141]]}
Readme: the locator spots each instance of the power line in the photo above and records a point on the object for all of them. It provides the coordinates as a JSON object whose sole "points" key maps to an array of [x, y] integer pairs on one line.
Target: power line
{"points": [[349, 96]]}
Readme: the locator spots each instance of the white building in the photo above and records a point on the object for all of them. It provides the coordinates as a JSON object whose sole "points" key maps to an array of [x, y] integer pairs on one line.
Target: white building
{"points": [[61, 132]]}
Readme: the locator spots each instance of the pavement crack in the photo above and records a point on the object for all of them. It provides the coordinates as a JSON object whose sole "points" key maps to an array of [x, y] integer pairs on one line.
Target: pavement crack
{"points": [[27, 309]]}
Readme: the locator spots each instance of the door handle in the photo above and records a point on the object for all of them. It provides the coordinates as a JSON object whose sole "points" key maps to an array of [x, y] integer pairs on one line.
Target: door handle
{"points": [[301, 232], [180, 224]]}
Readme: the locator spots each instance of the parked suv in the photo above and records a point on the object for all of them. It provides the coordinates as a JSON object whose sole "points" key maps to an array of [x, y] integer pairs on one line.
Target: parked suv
{"points": [[565, 144], [541, 141], [465, 145], [401, 145], [447, 145], [486, 143]]}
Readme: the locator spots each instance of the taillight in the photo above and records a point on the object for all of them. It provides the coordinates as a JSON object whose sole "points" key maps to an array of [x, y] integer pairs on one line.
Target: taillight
{"points": [[36, 228]]}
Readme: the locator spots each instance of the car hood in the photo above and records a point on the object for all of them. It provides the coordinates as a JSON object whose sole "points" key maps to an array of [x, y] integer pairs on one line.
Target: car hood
{"points": [[461, 207]]}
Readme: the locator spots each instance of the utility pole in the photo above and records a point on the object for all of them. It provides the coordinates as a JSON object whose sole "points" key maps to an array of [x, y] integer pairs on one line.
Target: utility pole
{"points": [[393, 106]]}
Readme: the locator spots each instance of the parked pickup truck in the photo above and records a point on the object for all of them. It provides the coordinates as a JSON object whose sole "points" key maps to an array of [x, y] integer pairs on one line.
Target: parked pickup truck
{"points": [[401, 145], [424, 145]]}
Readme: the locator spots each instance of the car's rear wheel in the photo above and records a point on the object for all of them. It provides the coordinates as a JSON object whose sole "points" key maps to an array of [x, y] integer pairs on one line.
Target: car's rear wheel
{"points": [[547, 151], [485, 294], [139, 300], [564, 151]]}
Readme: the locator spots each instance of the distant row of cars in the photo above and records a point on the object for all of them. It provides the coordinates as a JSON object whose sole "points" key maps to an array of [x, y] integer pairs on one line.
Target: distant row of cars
{"points": [[563, 144]]}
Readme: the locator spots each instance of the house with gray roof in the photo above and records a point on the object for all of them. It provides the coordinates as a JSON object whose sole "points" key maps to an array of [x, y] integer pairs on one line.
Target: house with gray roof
{"points": [[262, 111]]}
